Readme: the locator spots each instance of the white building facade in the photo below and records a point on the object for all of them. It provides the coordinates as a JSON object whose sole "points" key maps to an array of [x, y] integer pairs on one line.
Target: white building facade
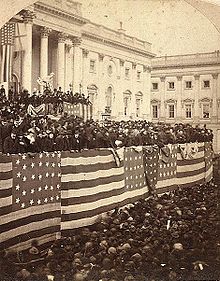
{"points": [[186, 89], [111, 67]]}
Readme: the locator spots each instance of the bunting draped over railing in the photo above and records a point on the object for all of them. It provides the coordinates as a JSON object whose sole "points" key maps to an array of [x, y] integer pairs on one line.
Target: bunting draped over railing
{"points": [[49, 193]]}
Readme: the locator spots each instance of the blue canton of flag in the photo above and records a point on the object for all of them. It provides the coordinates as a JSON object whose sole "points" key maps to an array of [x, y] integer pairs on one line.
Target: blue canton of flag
{"points": [[134, 169], [36, 180]]}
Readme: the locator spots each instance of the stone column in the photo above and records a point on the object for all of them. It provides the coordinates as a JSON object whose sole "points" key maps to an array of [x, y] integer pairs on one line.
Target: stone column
{"points": [[45, 31], [121, 85], [28, 17], [69, 65], [215, 98], [61, 60], [132, 109], [162, 113], [179, 99], [196, 106], [85, 70], [146, 110], [77, 64], [101, 58]]}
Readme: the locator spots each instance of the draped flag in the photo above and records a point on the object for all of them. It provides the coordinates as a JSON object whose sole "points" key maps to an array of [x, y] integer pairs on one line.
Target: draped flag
{"points": [[135, 181], [167, 168], [150, 161], [30, 199], [190, 170], [36, 111], [92, 184], [7, 40], [208, 161]]}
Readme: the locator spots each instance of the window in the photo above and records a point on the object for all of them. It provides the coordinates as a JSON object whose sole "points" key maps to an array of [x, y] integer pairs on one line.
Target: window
{"points": [[138, 107], [171, 86], [139, 75], [155, 111], [188, 108], [188, 84], [127, 72], [205, 111], [92, 65], [155, 86], [206, 84], [171, 110], [110, 70], [126, 106]]}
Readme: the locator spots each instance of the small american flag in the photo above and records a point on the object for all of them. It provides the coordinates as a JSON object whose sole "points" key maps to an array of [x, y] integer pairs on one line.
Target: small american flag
{"points": [[7, 40], [7, 34]]}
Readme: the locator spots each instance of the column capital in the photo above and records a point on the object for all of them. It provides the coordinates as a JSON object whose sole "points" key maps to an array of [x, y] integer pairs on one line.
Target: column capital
{"points": [[101, 56], [196, 76], [122, 62], [62, 37], [179, 77], [28, 15], [45, 31], [162, 78], [134, 65], [215, 75], [147, 68], [76, 41], [85, 53], [68, 45]]}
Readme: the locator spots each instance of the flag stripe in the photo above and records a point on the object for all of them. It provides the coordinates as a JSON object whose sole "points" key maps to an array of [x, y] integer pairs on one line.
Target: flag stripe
{"points": [[93, 198], [28, 220], [5, 210], [34, 210], [87, 160], [42, 240], [91, 183], [5, 175], [79, 208], [36, 233], [93, 190], [6, 184], [87, 168], [190, 173], [125, 198], [92, 175], [197, 166]]}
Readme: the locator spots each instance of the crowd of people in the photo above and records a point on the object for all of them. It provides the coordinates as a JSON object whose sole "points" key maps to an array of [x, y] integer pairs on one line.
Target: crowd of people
{"points": [[21, 132], [172, 237]]}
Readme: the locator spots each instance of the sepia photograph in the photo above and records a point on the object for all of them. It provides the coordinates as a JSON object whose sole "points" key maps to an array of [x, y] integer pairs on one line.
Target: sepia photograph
{"points": [[110, 140]]}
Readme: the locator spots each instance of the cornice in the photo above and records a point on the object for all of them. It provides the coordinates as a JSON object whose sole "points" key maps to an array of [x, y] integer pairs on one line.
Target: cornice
{"points": [[185, 65], [116, 44], [60, 13]]}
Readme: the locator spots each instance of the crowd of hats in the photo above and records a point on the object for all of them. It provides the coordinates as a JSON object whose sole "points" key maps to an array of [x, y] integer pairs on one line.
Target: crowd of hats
{"points": [[17, 103], [172, 237], [20, 133], [23, 133]]}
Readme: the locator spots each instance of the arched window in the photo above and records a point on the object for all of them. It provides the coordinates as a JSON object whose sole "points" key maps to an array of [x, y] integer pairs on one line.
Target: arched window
{"points": [[127, 102], [92, 92], [108, 98], [138, 102]]}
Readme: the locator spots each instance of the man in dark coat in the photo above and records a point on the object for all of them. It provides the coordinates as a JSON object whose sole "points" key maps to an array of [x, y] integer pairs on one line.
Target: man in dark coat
{"points": [[11, 144]]}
